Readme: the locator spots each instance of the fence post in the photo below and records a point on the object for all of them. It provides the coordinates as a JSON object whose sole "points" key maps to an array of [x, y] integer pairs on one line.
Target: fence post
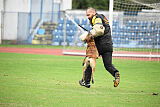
{"points": [[111, 13], [41, 9]]}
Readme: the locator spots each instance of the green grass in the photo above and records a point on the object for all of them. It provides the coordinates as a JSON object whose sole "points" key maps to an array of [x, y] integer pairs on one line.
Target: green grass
{"points": [[32, 46], [30, 80]]}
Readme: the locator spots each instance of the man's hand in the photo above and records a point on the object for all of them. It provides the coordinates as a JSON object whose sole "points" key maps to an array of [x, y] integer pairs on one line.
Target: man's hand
{"points": [[83, 36]]}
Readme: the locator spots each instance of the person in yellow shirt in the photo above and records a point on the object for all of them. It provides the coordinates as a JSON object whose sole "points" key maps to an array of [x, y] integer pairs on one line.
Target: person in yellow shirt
{"points": [[102, 35]]}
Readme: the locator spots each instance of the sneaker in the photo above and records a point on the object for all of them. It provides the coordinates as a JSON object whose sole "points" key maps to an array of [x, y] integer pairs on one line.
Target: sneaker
{"points": [[117, 79], [82, 83], [87, 85]]}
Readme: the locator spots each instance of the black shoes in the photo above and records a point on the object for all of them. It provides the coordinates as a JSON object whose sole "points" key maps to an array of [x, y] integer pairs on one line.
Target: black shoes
{"points": [[82, 83]]}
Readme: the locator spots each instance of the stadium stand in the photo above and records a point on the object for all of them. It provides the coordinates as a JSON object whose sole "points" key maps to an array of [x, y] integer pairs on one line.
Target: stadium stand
{"points": [[132, 33]]}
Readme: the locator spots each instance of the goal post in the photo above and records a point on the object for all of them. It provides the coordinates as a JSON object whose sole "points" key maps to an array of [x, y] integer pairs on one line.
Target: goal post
{"points": [[136, 29]]}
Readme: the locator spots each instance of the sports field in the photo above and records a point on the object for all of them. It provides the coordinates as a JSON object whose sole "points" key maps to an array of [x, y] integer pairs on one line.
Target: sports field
{"points": [[33, 80]]}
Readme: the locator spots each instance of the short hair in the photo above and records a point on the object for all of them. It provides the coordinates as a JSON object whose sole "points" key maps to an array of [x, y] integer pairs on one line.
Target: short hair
{"points": [[91, 8]]}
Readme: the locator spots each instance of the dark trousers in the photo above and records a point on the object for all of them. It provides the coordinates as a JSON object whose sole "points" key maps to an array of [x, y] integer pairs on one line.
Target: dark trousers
{"points": [[107, 61]]}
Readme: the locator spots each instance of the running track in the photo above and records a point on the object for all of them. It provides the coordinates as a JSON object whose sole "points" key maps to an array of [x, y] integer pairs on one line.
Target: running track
{"points": [[45, 51]]}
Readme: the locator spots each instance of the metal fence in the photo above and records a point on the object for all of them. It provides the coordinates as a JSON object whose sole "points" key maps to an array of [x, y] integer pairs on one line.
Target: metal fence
{"points": [[17, 27]]}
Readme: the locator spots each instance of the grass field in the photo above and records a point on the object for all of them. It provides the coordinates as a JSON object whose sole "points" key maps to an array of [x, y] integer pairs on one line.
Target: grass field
{"points": [[30, 80]]}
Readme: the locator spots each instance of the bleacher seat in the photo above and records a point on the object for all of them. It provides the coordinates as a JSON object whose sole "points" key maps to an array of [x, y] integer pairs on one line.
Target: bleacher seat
{"points": [[140, 35], [70, 33], [152, 24], [77, 20], [137, 23], [115, 23], [129, 23], [85, 26], [74, 27], [61, 38], [144, 29], [114, 28], [61, 21], [60, 26], [60, 32], [55, 40], [69, 39], [69, 22], [133, 36], [128, 29], [41, 31], [89, 27], [145, 24], [121, 29], [136, 29], [68, 27], [55, 32], [84, 22]]}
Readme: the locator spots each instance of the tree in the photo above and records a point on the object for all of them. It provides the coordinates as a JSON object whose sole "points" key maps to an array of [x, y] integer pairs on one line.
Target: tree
{"points": [[84, 4]]}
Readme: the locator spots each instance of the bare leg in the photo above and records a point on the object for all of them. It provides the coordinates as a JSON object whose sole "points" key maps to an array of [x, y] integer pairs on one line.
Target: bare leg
{"points": [[93, 65], [84, 68]]}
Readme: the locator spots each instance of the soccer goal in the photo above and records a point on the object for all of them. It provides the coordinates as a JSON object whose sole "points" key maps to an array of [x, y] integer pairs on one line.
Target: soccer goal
{"points": [[135, 28]]}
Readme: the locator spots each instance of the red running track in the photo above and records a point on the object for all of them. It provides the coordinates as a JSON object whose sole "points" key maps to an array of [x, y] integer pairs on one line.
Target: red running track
{"points": [[44, 51], [32, 50]]}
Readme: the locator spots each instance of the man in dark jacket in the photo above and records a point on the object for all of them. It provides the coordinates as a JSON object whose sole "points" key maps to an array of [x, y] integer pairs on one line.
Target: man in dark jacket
{"points": [[103, 40]]}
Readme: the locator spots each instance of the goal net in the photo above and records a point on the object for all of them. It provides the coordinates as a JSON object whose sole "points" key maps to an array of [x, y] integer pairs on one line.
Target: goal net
{"points": [[135, 29]]}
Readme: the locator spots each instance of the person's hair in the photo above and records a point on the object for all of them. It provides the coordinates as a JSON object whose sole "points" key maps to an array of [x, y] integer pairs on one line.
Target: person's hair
{"points": [[91, 8]]}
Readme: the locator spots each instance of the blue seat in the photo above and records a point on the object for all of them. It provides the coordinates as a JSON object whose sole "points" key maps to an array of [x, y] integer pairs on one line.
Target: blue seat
{"points": [[129, 23], [60, 32], [69, 39], [60, 27], [74, 27], [115, 23], [61, 38], [55, 40], [84, 22], [140, 35], [136, 29], [114, 28], [89, 27], [55, 32], [145, 24], [151, 29], [128, 29], [41, 31], [70, 33], [141, 42], [152, 24], [61, 21], [137, 23], [77, 20], [144, 29], [121, 29], [68, 27], [69, 22], [84, 26], [133, 36]]}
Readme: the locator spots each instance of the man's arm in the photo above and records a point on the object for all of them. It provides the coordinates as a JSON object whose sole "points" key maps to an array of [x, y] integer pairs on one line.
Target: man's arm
{"points": [[98, 28]]}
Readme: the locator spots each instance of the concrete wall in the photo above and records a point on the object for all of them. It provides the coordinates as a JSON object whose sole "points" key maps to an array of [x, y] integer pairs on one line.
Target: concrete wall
{"points": [[10, 17], [10, 8], [1, 9]]}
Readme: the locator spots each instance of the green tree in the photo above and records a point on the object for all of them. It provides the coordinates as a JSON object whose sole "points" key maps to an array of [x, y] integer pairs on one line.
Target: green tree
{"points": [[84, 4]]}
